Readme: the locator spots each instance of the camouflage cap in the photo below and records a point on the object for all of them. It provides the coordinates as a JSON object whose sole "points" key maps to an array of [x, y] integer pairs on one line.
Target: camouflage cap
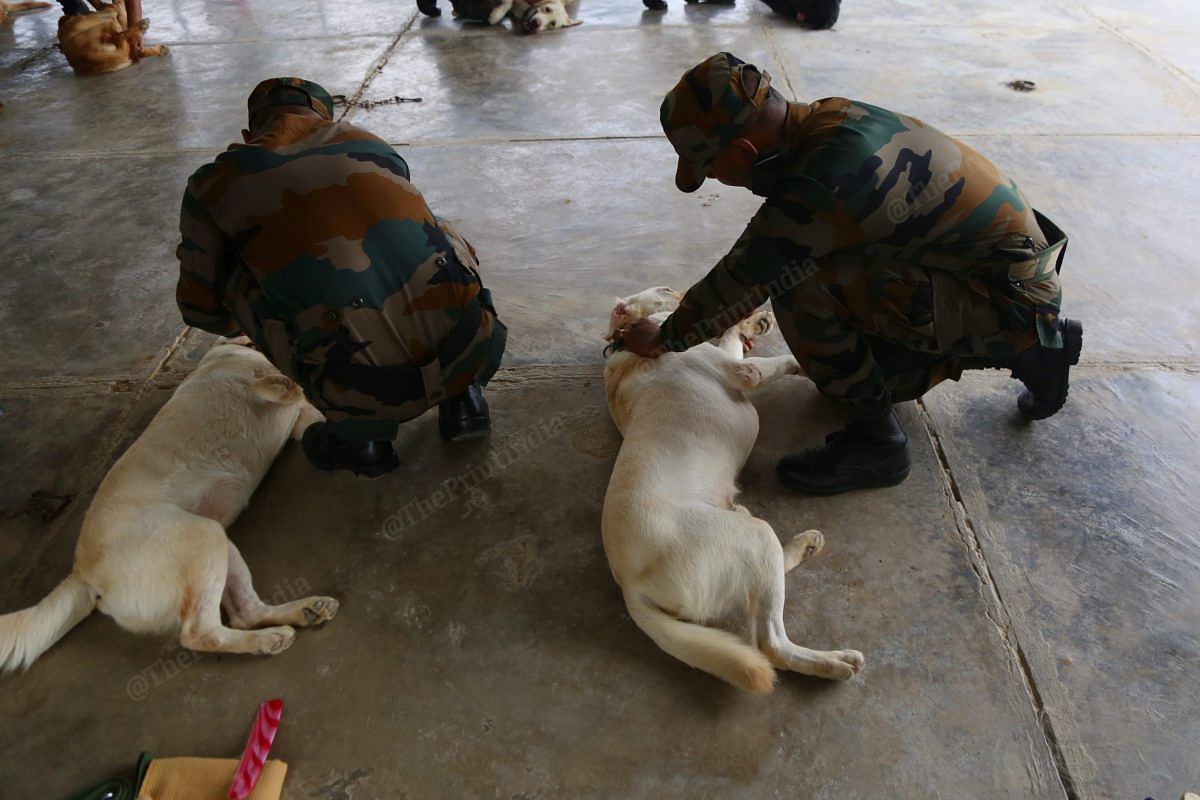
{"points": [[712, 103], [290, 92]]}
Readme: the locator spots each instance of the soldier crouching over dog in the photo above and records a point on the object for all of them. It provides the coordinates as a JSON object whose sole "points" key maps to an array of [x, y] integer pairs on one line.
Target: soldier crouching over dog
{"points": [[894, 257], [311, 240]]}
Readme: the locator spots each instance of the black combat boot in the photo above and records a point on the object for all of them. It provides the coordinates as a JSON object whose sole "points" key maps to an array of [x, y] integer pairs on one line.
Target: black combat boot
{"points": [[429, 8], [866, 454], [328, 452], [465, 416], [1046, 372]]}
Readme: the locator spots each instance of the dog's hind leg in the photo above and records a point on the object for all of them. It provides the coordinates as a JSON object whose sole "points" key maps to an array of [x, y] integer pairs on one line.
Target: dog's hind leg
{"points": [[246, 610], [204, 576], [838, 665], [769, 635]]}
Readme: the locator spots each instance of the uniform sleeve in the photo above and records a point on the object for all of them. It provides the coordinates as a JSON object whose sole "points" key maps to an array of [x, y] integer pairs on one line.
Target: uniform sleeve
{"points": [[205, 255], [777, 251]]}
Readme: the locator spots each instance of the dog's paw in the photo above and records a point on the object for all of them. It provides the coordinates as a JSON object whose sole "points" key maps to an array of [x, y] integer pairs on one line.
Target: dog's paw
{"points": [[319, 610], [746, 374], [807, 544], [757, 324], [273, 641], [845, 664]]}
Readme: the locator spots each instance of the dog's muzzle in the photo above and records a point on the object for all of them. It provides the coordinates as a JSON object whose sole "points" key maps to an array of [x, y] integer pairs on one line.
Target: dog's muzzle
{"points": [[530, 22]]}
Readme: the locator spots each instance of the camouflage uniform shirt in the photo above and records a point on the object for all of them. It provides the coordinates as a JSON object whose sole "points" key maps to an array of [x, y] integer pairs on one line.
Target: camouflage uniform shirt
{"points": [[865, 185], [313, 242]]}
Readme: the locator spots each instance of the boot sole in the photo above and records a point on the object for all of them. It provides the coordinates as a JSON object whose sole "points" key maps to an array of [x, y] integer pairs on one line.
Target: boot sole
{"points": [[366, 471], [1073, 341], [895, 479], [1073, 347], [377, 470], [468, 436]]}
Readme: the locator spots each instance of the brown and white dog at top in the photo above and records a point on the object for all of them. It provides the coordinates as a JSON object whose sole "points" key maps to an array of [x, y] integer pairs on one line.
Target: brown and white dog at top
{"points": [[99, 42], [700, 574], [529, 16]]}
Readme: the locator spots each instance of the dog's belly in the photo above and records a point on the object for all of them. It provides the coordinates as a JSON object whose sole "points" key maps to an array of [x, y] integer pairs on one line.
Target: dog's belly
{"points": [[222, 501]]}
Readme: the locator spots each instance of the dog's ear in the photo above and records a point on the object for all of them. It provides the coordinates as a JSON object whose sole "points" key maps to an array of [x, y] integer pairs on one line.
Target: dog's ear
{"points": [[276, 388], [616, 318], [571, 23]]}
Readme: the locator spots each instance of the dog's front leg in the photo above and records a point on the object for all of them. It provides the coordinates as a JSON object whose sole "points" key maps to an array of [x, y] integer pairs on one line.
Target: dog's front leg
{"points": [[750, 373], [500, 11], [730, 343], [309, 415]]}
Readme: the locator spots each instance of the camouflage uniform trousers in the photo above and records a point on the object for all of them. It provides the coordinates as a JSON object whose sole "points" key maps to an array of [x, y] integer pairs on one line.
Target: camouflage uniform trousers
{"points": [[368, 403], [869, 329]]}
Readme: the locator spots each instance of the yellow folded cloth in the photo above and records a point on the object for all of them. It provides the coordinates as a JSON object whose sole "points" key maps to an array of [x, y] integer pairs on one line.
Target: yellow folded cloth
{"points": [[206, 779]]}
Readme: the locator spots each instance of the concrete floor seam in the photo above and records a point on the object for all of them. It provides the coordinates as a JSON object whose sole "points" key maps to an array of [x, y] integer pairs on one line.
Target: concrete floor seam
{"points": [[1141, 48], [777, 57], [148, 153], [378, 65], [202, 43], [434, 31], [994, 607]]}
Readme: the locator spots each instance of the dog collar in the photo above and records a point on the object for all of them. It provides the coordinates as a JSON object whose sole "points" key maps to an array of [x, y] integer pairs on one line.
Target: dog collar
{"points": [[615, 346]]}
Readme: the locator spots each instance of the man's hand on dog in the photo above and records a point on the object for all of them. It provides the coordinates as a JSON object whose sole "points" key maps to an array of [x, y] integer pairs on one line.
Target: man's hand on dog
{"points": [[643, 338]]}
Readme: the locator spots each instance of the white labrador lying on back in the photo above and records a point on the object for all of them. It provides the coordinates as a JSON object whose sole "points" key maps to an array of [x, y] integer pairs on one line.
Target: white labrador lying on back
{"points": [[685, 555], [153, 553]]}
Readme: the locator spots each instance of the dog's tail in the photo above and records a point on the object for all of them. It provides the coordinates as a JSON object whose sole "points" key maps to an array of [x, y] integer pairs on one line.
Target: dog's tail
{"points": [[715, 651], [25, 635]]}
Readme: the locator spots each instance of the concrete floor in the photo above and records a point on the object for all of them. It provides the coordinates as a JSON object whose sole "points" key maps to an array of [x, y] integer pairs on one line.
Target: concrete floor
{"points": [[1029, 601]]}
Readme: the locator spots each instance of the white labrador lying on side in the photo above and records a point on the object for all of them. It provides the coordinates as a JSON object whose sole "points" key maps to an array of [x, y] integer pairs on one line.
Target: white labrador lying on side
{"points": [[686, 556], [153, 553]]}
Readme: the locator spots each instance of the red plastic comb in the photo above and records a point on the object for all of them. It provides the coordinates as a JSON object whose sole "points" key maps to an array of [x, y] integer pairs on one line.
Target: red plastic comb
{"points": [[266, 723]]}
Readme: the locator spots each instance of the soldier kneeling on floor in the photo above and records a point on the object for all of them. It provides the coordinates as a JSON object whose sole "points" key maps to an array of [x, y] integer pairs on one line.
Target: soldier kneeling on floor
{"points": [[310, 239], [894, 257]]}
